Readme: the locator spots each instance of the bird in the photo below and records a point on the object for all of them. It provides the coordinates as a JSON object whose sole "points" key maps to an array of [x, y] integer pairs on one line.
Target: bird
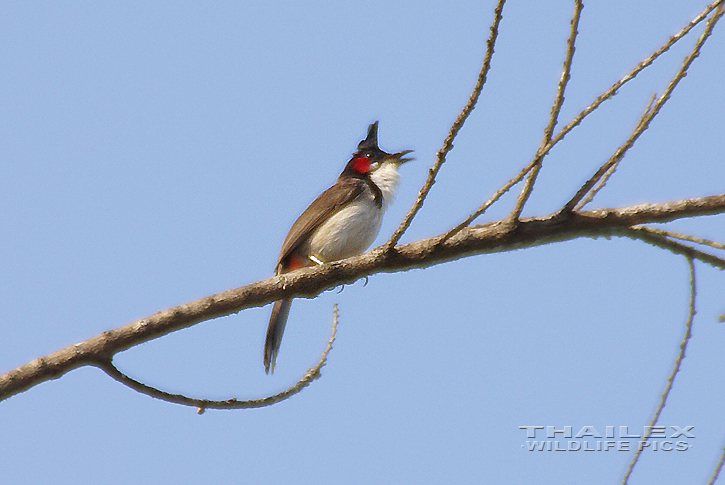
{"points": [[343, 221]]}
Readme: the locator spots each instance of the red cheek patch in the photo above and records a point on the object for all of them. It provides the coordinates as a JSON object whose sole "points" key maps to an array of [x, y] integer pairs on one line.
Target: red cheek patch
{"points": [[361, 165]]}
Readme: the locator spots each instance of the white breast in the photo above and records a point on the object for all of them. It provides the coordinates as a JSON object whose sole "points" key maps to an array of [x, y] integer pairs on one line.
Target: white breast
{"points": [[349, 232]]}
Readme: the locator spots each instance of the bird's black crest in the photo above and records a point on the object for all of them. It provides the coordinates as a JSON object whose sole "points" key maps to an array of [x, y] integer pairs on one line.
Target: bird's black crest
{"points": [[371, 141]]}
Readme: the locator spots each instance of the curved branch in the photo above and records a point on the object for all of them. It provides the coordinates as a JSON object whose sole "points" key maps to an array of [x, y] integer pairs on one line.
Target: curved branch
{"points": [[232, 403], [309, 282]]}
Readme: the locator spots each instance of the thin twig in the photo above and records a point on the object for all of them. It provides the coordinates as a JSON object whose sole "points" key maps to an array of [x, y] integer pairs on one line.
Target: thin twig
{"points": [[457, 125], [554, 114], [202, 404], [663, 242], [683, 237], [611, 168], [718, 468], [646, 118], [671, 378], [587, 191], [497, 195]]}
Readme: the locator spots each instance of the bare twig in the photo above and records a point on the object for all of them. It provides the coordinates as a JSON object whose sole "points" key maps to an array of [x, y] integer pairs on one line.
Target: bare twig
{"points": [[457, 125], [497, 195], [203, 404], [554, 114], [612, 167], [680, 236], [565, 73], [663, 242], [671, 378], [718, 468], [646, 118]]}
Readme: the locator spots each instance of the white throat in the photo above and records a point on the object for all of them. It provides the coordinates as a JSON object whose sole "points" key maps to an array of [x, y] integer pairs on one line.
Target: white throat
{"points": [[386, 178]]}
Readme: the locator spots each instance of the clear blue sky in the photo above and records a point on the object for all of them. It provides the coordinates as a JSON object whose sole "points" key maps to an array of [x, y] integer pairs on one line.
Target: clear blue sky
{"points": [[156, 152]]}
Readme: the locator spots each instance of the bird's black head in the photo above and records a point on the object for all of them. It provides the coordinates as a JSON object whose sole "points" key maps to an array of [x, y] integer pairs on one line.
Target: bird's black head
{"points": [[369, 156]]}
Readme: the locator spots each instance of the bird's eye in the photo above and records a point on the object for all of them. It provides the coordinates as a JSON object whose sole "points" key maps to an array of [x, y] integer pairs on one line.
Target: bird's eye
{"points": [[369, 155]]}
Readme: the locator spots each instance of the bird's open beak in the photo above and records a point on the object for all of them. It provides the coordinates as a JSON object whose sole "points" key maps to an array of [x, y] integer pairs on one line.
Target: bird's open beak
{"points": [[400, 156]]}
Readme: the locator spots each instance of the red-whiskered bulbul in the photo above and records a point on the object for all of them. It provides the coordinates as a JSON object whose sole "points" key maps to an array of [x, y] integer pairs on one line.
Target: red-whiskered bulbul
{"points": [[342, 222]]}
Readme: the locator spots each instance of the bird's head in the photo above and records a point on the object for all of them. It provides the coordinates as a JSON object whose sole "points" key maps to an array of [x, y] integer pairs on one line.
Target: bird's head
{"points": [[369, 157]]}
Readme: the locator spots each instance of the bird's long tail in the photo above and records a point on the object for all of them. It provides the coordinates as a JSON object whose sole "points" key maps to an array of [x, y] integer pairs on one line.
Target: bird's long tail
{"points": [[277, 321]]}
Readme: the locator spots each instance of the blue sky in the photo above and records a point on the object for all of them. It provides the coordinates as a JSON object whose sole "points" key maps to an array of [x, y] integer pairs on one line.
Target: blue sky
{"points": [[157, 152]]}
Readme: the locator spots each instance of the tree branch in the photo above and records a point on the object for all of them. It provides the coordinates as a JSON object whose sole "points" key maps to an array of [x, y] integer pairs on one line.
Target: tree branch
{"points": [[308, 282]]}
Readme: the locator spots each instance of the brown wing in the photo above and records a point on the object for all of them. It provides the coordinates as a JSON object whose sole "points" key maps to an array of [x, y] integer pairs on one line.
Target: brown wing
{"points": [[328, 202]]}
